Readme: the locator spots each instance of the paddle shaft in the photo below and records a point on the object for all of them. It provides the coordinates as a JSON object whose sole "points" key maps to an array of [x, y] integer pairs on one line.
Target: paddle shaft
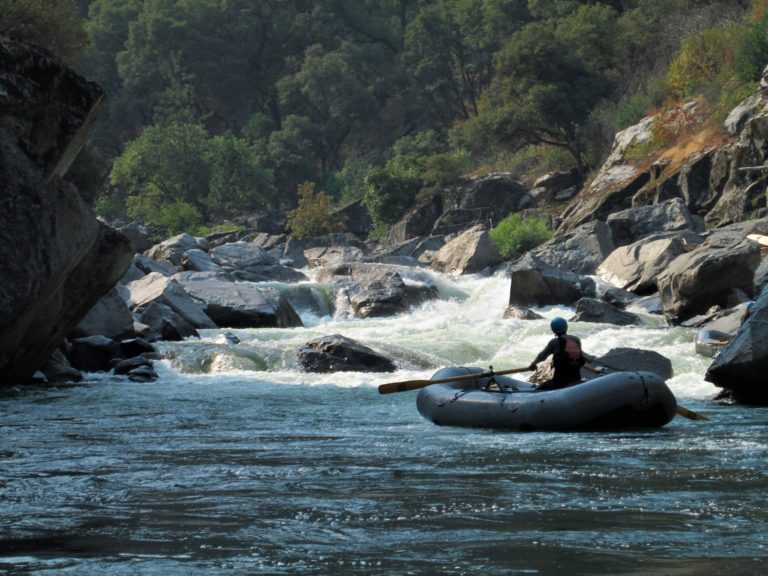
{"points": [[406, 385]]}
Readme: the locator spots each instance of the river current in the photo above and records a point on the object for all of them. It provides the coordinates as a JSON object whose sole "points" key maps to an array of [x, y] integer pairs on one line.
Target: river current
{"points": [[236, 462]]}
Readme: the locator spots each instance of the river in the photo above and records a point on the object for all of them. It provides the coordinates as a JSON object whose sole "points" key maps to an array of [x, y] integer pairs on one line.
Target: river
{"points": [[235, 462]]}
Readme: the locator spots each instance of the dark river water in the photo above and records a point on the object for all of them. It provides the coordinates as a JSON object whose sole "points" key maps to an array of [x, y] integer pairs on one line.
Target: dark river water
{"points": [[235, 462]]}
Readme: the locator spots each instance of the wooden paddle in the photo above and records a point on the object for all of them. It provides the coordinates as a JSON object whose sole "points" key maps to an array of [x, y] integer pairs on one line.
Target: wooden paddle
{"points": [[682, 410], [406, 385]]}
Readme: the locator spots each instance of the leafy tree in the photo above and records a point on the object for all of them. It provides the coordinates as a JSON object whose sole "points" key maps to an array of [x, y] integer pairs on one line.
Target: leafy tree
{"points": [[550, 81], [751, 53], [449, 51], [314, 215], [333, 90], [238, 181], [388, 194], [167, 159], [53, 24], [514, 236]]}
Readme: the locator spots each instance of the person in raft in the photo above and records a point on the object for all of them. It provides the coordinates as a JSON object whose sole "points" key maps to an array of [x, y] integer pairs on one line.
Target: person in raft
{"points": [[567, 357]]}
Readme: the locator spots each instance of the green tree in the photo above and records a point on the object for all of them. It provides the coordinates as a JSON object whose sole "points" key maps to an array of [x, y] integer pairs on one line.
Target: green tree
{"points": [[53, 24], [166, 164], [314, 215], [549, 83], [388, 194], [238, 182]]}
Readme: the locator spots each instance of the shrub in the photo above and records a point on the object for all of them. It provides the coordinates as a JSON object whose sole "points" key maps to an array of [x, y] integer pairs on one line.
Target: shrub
{"points": [[314, 215], [515, 235], [704, 59]]}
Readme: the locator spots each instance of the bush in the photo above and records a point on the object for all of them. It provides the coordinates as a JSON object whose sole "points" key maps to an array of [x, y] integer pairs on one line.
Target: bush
{"points": [[314, 215], [703, 60], [514, 236]]}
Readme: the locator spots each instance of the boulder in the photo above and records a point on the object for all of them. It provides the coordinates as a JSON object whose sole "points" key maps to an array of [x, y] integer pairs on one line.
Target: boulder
{"points": [[169, 292], [457, 220], [636, 266], [269, 273], [741, 366], [521, 313], [58, 369], [241, 255], [110, 317], [173, 249], [535, 283], [498, 192], [470, 252], [197, 260], [628, 226], [580, 250], [551, 186], [708, 275], [416, 222], [592, 310], [92, 353], [56, 258], [161, 322], [372, 290], [147, 265], [634, 359], [236, 305], [337, 353]]}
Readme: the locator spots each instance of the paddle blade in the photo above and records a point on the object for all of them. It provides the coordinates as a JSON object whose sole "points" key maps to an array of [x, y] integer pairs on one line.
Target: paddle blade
{"points": [[690, 414]]}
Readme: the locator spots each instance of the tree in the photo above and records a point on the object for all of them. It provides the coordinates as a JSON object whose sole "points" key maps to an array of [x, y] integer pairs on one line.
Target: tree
{"points": [[167, 163], [314, 215], [550, 81], [56, 25], [449, 51], [238, 182]]}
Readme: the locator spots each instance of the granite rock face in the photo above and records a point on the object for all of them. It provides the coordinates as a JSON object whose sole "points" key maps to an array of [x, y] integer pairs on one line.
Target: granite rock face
{"points": [[56, 258]]}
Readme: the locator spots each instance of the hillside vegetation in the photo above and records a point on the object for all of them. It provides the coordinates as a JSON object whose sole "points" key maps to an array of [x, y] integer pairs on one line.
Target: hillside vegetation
{"points": [[220, 108]]}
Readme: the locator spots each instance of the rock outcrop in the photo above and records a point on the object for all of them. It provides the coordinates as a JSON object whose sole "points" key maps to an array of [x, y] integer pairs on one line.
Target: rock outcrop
{"points": [[56, 259]]}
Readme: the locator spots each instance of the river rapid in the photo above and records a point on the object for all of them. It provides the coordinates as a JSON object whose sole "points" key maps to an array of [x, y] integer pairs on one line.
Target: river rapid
{"points": [[236, 462]]}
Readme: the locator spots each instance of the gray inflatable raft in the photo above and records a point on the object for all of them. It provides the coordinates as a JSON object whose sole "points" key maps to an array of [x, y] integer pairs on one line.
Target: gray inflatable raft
{"points": [[622, 400]]}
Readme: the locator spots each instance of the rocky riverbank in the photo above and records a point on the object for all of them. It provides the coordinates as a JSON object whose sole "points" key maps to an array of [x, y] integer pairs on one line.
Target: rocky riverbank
{"points": [[682, 234]]}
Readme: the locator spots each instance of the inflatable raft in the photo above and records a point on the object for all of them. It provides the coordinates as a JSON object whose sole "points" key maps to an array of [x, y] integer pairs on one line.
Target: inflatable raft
{"points": [[621, 400]]}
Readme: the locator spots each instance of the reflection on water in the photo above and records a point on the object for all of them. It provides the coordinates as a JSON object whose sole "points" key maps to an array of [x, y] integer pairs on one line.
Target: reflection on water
{"points": [[258, 469]]}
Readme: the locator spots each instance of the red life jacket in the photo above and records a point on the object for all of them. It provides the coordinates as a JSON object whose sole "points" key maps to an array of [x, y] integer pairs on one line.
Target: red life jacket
{"points": [[570, 352]]}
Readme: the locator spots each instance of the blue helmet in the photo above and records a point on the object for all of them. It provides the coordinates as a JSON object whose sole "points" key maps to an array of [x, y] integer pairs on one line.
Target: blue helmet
{"points": [[559, 325], [750, 304]]}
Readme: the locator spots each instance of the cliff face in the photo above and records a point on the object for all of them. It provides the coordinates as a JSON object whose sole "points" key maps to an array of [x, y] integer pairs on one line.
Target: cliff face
{"points": [[720, 175], [56, 258]]}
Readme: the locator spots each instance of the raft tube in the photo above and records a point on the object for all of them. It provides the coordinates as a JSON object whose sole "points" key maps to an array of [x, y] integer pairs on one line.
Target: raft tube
{"points": [[621, 400], [710, 342]]}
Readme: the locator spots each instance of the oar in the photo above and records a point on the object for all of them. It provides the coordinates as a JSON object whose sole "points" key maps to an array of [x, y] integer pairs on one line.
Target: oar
{"points": [[406, 385], [682, 410]]}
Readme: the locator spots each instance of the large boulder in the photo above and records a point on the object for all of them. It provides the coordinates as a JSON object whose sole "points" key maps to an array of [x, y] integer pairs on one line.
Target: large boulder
{"points": [[371, 290], [533, 282], [741, 366], [337, 353], [238, 305], [56, 259], [110, 317], [580, 250], [628, 226], [635, 359], [168, 291], [470, 252], [173, 249], [636, 266], [712, 274], [593, 310]]}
